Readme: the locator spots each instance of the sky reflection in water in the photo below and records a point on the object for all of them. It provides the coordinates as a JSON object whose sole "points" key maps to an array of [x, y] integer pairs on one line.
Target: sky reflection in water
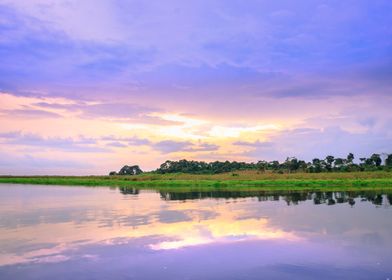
{"points": [[78, 232]]}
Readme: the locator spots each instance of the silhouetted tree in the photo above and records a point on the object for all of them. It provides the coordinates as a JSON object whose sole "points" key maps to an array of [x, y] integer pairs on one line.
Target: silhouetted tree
{"points": [[329, 160], [388, 160], [291, 164], [376, 159], [130, 170], [350, 158]]}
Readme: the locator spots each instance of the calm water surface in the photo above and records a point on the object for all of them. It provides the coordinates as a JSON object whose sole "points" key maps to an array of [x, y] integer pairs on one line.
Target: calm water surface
{"points": [[50, 232]]}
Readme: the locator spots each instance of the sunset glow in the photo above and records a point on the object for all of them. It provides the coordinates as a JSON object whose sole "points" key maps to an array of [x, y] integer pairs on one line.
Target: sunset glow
{"points": [[143, 82]]}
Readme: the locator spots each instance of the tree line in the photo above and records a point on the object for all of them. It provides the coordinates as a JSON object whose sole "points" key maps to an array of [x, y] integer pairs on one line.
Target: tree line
{"points": [[291, 164]]}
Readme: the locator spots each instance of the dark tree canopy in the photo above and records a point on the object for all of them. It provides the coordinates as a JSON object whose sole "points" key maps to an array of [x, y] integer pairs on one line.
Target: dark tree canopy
{"points": [[291, 164], [350, 158], [388, 161], [128, 170], [376, 159], [201, 167]]}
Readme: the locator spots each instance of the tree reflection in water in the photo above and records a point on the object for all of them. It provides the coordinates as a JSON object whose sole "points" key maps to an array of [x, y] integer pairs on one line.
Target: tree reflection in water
{"points": [[378, 198]]}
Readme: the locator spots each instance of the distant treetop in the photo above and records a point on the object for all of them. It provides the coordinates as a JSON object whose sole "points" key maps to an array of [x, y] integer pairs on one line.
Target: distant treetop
{"points": [[128, 170], [291, 164]]}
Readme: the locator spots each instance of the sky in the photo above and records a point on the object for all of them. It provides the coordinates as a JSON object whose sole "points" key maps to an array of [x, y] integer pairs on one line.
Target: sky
{"points": [[89, 86]]}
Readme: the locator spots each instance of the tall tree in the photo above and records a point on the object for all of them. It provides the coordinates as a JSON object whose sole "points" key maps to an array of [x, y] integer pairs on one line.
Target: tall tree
{"points": [[350, 158], [376, 159], [329, 160], [388, 161]]}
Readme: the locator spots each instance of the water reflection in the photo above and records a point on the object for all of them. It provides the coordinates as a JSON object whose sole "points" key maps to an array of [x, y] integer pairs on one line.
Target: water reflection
{"points": [[292, 198], [123, 233]]}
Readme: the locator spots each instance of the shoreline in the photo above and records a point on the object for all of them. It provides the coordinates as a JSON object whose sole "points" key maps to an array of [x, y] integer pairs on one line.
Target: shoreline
{"points": [[288, 182]]}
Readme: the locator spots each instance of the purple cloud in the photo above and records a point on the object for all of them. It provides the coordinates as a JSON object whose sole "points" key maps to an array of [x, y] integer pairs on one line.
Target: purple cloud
{"points": [[256, 144], [310, 40], [116, 145], [202, 147], [30, 165], [81, 145], [30, 113], [109, 109], [133, 141], [112, 110], [170, 146], [312, 143]]}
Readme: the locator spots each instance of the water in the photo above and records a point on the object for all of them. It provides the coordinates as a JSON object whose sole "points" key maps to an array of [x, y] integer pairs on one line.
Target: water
{"points": [[50, 232]]}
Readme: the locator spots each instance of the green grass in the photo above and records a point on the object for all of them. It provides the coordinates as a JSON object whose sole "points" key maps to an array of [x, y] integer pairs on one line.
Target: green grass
{"points": [[242, 180]]}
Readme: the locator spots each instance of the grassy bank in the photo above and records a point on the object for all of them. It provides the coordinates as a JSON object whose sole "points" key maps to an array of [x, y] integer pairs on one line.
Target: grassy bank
{"points": [[231, 181]]}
